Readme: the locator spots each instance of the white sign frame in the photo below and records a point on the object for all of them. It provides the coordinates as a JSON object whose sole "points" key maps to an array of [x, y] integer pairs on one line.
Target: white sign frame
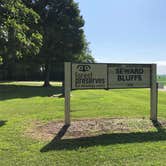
{"points": [[152, 85]]}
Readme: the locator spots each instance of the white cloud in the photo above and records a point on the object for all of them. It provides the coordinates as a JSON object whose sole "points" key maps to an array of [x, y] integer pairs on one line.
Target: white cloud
{"points": [[161, 67], [161, 63]]}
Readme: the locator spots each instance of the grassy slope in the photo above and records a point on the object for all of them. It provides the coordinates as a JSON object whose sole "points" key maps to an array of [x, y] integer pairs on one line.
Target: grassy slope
{"points": [[20, 104]]}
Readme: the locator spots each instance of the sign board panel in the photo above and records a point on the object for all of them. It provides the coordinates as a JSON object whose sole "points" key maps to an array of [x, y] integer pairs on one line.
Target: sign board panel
{"points": [[89, 76], [129, 76], [110, 76]]}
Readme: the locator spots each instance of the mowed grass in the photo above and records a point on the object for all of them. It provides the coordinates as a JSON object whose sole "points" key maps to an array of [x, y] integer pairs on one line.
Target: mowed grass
{"points": [[162, 79], [24, 102]]}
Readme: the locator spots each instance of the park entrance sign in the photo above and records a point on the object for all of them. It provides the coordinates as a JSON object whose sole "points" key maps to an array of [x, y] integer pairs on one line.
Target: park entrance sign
{"points": [[110, 76], [89, 76], [129, 76]]}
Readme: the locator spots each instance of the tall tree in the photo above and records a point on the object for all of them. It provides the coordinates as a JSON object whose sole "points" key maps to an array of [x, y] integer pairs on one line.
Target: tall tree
{"points": [[18, 30], [62, 29], [85, 56]]}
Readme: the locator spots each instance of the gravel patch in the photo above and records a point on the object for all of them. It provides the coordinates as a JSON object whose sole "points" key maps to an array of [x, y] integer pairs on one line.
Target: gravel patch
{"points": [[90, 127]]}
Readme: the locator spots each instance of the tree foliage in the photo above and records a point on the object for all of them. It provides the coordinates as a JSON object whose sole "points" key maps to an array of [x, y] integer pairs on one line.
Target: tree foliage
{"points": [[62, 30], [51, 28], [18, 30], [85, 56]]}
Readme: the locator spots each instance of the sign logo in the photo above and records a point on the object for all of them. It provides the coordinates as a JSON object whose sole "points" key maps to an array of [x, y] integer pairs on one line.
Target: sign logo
{"points": [[83, 68]]}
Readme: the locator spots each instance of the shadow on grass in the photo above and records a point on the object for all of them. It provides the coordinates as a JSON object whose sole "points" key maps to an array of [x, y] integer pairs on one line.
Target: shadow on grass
{"points": [[158, 126], [2, 122], [23, 91], [103, 140]]}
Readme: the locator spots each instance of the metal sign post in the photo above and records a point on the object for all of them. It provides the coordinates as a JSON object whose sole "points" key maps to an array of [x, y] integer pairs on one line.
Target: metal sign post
{"points": [[153, 94], [67, 92]]}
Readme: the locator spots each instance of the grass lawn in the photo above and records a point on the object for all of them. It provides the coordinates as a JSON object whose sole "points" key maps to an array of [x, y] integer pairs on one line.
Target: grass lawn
{"points": [[22, 103], [162, 79]]}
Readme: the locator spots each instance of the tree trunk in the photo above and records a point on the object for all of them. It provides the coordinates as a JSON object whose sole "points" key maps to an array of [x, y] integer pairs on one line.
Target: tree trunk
{"points": [[47, 76]]}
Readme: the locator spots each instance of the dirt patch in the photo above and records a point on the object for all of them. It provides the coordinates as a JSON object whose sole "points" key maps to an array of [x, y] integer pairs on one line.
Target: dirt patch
{"points": [[90, 127]]}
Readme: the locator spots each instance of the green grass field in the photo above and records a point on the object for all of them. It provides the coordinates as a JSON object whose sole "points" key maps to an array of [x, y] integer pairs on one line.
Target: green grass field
{"points": [[162, 79], [22, 103]]}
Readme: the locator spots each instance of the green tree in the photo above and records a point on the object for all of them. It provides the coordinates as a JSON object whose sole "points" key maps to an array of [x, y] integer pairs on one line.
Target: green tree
{"points": [[62, 28], [85, 56], [18, 30]]}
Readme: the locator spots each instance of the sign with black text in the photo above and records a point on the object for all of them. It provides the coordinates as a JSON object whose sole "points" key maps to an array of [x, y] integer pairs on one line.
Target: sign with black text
{"points": [[110, 76], [89, 76], [129, 76]]}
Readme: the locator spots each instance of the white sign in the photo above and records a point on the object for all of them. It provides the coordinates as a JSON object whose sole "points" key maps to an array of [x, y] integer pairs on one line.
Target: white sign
{"points": [[129, 76], [89, 76], [110, 76]]}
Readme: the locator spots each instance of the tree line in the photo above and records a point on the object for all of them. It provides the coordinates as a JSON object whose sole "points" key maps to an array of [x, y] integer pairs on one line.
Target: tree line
{"points": [[36, 35]]}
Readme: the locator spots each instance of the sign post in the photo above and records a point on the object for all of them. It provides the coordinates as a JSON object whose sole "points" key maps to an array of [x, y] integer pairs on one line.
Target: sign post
{"points": [[110, 76], [67, 92], [153, 94]]}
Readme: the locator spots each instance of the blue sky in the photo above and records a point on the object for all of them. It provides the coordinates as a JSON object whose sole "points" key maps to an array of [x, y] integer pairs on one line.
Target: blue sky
{"points": [[126, 30]]}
